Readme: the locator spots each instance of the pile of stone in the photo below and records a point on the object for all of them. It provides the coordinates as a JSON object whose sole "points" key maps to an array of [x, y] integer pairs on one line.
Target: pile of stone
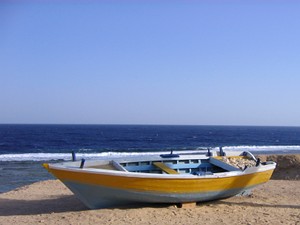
{"points": [[240, 163]]}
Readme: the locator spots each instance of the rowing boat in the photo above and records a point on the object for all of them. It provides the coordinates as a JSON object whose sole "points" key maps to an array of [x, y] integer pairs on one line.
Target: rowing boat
{"points": [[162, 178]]}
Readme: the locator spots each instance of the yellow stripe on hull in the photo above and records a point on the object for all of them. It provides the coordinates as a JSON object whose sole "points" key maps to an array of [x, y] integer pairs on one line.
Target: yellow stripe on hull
{"points": [[164, 185]]}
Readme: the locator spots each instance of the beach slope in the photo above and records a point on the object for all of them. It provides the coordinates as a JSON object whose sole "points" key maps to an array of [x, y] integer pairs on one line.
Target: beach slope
{"points": [[50, 202]]}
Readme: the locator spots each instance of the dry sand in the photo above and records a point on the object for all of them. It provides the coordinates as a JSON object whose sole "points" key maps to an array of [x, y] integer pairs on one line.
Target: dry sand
{"points": [[50, 202]]}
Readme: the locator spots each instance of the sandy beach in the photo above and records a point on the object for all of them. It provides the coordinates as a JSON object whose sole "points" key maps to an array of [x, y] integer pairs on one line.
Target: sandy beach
{"points": [[50, 202]]}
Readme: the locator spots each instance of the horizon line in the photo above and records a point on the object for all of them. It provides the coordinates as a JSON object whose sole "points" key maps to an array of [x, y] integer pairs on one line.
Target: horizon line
{"points": [[136, 124]]}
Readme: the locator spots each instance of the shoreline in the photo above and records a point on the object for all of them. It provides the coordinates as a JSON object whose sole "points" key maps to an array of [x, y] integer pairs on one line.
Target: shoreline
{"points": [[16, 171], [50, 202]]}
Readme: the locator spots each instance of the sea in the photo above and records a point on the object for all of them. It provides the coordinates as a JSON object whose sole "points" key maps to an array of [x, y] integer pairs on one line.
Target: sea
{"points": [[24, 148]]}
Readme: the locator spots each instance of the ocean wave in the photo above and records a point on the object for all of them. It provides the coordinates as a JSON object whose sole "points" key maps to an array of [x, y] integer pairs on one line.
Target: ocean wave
{"points": [[66, 156], [104, 155], [255, 148]]}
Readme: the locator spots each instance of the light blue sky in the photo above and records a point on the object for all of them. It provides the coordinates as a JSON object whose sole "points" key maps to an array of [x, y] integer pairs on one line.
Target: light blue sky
{"points": [[202, 63]]}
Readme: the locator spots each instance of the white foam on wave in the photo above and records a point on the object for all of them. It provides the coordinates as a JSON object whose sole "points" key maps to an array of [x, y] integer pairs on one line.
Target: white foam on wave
{"points": [[104, 155], [67, 156], [254, 148]]}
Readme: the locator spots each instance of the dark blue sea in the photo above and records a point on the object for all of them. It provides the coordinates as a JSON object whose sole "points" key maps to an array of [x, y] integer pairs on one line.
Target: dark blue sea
{"points": [[23, 148]]}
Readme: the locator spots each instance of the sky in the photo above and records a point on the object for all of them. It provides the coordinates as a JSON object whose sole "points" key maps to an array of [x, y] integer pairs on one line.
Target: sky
{"points": [[150, 62]]}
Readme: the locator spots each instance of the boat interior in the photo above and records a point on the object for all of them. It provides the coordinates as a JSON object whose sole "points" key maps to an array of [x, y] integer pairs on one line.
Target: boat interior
{"points": [[173, 164], [177, 166]]}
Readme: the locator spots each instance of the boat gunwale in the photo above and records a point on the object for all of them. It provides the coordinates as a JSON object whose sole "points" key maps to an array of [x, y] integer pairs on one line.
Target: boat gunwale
{"points": [[250, 170]]}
